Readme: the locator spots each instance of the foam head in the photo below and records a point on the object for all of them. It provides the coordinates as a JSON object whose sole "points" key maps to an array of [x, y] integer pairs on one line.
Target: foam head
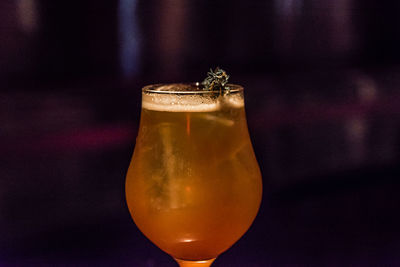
{"points": [[188, 98]]}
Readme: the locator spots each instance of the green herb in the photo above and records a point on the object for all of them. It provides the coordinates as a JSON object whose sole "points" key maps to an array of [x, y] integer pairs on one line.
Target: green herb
{"points": [[216, 80]]}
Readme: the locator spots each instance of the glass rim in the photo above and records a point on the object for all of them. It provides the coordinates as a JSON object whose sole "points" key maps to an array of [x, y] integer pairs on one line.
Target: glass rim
{"points": [[186, 88]]}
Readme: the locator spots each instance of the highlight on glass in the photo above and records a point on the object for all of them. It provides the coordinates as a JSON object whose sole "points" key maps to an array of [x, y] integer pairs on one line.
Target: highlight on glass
{"points": [[193, 186]]}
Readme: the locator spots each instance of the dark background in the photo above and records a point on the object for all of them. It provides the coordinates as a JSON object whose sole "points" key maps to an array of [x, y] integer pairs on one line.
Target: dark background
{"points": [[322, 92]]}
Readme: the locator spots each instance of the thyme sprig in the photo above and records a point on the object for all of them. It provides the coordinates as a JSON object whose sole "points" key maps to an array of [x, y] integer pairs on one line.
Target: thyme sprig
{"points": [[216, 80]]}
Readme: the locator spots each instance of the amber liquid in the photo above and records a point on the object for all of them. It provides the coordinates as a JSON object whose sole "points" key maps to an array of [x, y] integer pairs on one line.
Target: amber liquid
{"points": [[193, 186]]}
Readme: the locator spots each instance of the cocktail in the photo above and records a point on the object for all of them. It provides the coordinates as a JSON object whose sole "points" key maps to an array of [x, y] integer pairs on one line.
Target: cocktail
{"points": [[193, 186]]}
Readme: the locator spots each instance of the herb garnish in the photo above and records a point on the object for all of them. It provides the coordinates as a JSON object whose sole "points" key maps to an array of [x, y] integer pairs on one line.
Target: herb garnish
{"points": [[216, 80]]}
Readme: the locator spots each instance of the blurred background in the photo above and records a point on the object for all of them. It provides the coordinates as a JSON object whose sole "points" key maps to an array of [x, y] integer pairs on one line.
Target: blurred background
{"points": [[322, 92]]}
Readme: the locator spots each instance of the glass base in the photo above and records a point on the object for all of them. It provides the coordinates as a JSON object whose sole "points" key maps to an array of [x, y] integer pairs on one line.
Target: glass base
{"points": [[185, 263]]}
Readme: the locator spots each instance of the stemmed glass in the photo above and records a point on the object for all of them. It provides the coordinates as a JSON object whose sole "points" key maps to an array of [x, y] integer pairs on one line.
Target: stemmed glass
{"points": [[193, 186]]}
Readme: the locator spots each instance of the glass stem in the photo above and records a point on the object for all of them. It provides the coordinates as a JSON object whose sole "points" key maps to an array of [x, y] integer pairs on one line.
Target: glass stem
{"points": [[205, 263]]}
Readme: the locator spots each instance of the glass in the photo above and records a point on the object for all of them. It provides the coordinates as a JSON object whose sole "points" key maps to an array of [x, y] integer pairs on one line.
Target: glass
{"points": [[193, 186]]}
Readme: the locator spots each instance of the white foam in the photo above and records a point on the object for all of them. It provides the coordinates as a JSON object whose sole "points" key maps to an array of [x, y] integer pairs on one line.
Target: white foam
{"points": [[235, 100], [186, 103]]}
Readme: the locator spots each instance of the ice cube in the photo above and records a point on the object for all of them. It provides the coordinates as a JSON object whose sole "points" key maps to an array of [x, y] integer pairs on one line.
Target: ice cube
{"points": [[217, 119], [170, 178]]}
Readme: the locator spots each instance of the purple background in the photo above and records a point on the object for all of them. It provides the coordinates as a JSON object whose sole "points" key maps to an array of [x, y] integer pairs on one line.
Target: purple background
{"points": [[322, 92]]}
